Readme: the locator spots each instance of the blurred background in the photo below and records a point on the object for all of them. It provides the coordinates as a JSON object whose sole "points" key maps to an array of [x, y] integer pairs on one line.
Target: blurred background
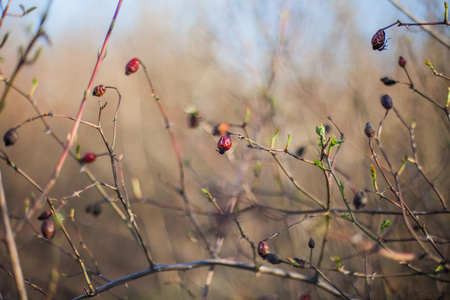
{"points": [[292, 64]]}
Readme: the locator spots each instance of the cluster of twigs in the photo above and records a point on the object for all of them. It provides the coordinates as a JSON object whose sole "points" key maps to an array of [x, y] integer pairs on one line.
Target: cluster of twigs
{"points": [[330, 208]]}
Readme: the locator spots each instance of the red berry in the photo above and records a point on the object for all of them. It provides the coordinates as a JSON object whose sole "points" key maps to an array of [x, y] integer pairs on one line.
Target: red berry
{"points": [[99, 90], [89, 158], [402, 62], [132, 66], [48, 229], [224, 143], [263, 249]]}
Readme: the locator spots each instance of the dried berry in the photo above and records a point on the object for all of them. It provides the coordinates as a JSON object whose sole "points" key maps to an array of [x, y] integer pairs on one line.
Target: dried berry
{"points": [[194, 120], [388, 80], [89, 158], [263, 249], [379, 40], [132, 66], [360, 199], [311, 243], [99, 90], [300, 151], [386, 102], [48, 229], [274, 259], [45, 215], [327, 128], [369, 130], [224, 143], [94, 209], [10, 137], [402, 62], [221, 128]]}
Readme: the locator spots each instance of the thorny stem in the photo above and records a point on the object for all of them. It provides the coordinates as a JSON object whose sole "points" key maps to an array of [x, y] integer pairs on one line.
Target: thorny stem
{"points": [[321, 284], [42, 116], [169, 128], [440, 38], [405, 209], [125, 201], [74, 130]]}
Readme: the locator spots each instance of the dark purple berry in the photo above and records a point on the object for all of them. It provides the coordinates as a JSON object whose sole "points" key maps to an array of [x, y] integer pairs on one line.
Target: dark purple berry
{"points": [[386, 102], [388, 81], [10, 137]]}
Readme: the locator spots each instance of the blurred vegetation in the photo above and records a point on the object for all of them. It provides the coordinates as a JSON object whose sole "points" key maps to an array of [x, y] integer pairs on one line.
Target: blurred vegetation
{"points": [[291, 65]]}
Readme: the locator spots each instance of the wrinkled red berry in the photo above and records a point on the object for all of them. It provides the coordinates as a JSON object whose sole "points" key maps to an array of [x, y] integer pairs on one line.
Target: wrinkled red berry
{"points": [[369, 130], [402, 62], [99, 90], [386, 102], [45, 215], [388, 80], [379, 40], [263, 249], [132, 66], [10, 137], [221, 128], [224, 143], [89, 158], [48, 229]]}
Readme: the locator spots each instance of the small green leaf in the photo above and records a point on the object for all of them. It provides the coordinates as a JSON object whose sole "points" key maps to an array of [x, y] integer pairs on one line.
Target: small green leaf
{"points": [[206, 192], [373, 173], [447, 105], [440, 268], [33, 87], [77, 152], [272, 140], [320, 130], [247, 117], [319, 164], [5, 38], [29, 10], [337, 260], [288, 142], [385, 224]]}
